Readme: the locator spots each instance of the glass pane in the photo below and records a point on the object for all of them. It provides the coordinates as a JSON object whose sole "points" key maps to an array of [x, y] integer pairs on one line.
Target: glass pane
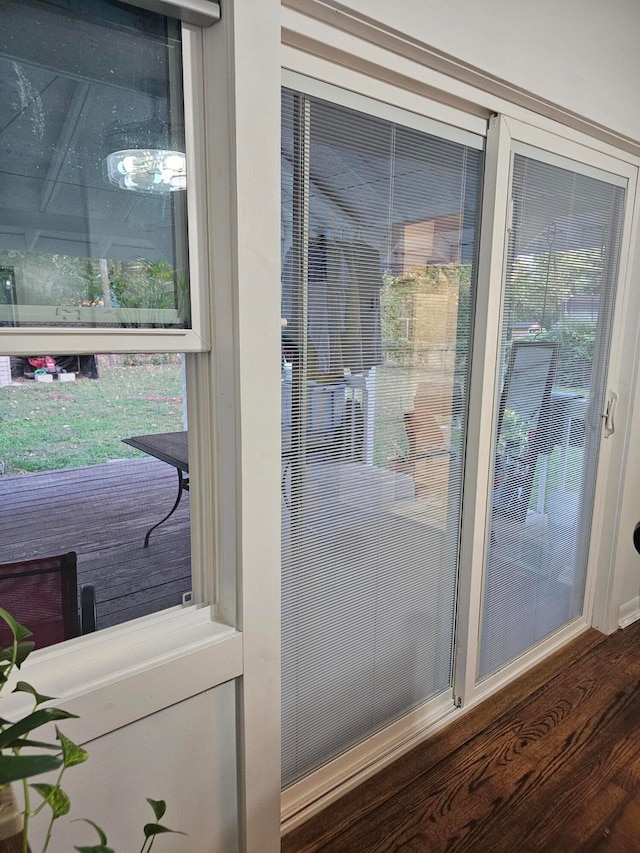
{"points": [[559, 289], [93, 207], [380, 228], [71, 482]]}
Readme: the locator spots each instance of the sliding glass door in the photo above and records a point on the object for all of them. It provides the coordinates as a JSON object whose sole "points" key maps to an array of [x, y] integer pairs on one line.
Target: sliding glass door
{"points": [[560, 279], [380, 249], [379, 237]]}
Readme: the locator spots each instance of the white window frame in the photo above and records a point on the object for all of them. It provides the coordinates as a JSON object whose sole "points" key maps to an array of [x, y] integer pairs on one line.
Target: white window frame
{"points": [[125, 673], [26, 340], [202, 13]]}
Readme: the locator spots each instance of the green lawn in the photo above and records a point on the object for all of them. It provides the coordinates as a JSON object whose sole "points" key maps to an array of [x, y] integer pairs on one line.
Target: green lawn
{"points": [[45, 427]]}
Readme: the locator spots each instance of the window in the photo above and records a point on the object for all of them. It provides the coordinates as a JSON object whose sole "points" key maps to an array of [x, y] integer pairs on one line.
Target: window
{"points": [[560, 284], [93, 458], [93, 228], [380, 225], [94, 259]]}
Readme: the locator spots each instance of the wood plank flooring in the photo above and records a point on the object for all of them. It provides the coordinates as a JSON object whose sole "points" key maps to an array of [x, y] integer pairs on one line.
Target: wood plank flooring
{"points": [[552, 763], [102, 512]]}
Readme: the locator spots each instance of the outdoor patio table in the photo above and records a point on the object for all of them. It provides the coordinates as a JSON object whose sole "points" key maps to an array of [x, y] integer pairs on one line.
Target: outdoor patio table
{"points": [[172, 448]]}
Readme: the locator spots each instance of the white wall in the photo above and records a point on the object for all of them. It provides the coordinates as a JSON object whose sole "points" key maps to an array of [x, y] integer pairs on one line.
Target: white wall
{"points": [[580, 54], [184, 754], [626, 591]]}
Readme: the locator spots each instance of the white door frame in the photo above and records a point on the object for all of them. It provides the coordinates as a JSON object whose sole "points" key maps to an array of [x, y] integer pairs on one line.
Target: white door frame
{"points": [[505, 135]]}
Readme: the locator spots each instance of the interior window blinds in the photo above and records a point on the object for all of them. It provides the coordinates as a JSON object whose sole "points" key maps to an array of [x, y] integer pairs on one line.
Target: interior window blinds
{"points": [[558, 299], [379, 235]]}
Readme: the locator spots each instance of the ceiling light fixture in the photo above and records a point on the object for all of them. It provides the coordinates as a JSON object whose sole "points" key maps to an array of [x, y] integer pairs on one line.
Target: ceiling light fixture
{"points": [[148, 170], [142, 158]]}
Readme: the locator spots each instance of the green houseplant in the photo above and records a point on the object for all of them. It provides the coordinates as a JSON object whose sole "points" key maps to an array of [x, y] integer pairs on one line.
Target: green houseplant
{"points": [[18, 767]]}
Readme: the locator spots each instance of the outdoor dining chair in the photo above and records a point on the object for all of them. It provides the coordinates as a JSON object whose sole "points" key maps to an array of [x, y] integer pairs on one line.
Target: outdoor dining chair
{"points": [[42, 594]]}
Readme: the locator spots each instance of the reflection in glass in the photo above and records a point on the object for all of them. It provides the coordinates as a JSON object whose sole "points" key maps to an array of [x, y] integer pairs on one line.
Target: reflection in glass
{"points": [[379, 231], [560, 280], [151, 170], [81, 82]]}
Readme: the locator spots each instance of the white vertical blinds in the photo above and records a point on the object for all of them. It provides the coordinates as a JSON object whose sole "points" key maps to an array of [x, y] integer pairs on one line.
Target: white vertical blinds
{"points": [[560, 281], [379, 233]]}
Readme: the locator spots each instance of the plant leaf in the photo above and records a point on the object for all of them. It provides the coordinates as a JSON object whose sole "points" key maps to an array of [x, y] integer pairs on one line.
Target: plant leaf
{"points": [[18, 630], [15, 767], [156, 829], [23, 687], [55, 797], [21, 743], [98, 848], [101, 833], [23, 650], [159, 807], [71, 753], [32, 721], [25, 647]]}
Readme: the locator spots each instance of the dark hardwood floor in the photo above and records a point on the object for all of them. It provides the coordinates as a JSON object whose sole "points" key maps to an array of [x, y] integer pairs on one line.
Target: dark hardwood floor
{"points": [[102, 513], [551, 763]]}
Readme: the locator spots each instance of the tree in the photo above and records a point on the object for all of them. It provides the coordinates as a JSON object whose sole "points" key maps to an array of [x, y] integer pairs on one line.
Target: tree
{"points": [[537, 285]]}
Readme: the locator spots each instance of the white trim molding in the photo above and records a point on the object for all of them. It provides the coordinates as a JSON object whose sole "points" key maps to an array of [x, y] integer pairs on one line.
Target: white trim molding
{"points": [[122, 674], [477, 487], [202, 13], [341, 18], [358, 92], [252, 168], [629, 612]]}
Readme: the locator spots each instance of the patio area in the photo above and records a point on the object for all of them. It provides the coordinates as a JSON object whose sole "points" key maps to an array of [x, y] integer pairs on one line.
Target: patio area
{"points": [[102, 512]]}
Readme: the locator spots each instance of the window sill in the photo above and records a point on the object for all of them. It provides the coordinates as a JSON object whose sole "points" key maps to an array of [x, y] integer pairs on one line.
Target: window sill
{"points": [[122, 674]]}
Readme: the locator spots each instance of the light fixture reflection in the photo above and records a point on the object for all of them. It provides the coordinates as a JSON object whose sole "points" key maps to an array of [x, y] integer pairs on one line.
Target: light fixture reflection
{"points": [[147, 170]]}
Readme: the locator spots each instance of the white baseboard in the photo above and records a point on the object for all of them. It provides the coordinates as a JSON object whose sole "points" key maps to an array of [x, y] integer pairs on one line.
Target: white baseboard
{"points": [[629, 612]]}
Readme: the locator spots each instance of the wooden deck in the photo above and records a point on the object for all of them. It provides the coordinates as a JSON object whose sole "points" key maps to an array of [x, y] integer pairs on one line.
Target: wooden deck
{"points": [[102, 513]]}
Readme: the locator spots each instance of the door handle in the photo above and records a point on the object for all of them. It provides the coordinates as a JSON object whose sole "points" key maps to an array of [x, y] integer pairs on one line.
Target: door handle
{"points": [[609, 414]]}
